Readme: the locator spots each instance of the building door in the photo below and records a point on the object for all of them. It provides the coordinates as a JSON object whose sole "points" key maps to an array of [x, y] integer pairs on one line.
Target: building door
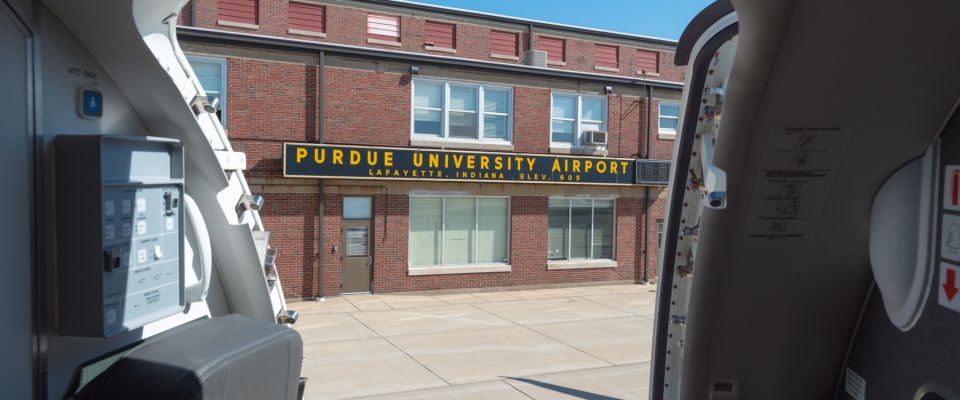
{"points": [[356, 269]]}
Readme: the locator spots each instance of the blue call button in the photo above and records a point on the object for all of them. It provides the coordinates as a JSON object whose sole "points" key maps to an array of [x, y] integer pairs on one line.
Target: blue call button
{"points": [[91, 103]]}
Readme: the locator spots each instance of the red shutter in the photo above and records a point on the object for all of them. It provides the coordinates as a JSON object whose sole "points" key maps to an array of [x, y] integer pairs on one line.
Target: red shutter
{"points": [[648, 61], [242, 11], [307, 17], [439, 34], [556, 48], [383, 27], [606, 56], [504, 43]]}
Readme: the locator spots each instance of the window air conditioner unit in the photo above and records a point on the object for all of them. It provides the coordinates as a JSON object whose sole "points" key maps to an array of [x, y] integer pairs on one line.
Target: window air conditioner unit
{"points": [[595, 138]]}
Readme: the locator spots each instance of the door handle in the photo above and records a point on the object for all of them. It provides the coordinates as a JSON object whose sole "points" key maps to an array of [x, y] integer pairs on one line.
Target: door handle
{"points": [[369, 260]]}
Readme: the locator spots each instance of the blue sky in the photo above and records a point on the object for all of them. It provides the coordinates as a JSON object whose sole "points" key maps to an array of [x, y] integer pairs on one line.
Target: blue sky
{"points": [[659, 18]]}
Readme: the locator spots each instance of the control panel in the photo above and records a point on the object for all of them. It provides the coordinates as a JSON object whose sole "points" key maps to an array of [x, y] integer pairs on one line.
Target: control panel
{"points": [[119, 236]]}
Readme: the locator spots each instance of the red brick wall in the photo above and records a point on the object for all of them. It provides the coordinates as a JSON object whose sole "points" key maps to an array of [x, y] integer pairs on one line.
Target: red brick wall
{"points": [[390, 229], [669, 71], [625, 119], [269, 103], [531, 119], [293, 222], [347, 25], [366, 107], [332, 224], [186, 15]]}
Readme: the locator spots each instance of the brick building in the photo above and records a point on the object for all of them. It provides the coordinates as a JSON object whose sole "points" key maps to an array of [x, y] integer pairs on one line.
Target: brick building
{"points": [[398, 81]]}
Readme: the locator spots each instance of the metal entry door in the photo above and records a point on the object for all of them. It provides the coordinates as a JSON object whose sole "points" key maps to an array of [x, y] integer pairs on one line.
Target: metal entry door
{"points": [[357, 262]]}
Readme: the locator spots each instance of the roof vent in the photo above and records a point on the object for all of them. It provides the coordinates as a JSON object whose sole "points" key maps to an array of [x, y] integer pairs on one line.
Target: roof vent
{"points": [[535, 58]]}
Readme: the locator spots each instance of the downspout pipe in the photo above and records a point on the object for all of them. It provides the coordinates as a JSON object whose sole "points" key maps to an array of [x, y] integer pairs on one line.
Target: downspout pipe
{"points": [[646, 189], [320, 114], [529, 37]]}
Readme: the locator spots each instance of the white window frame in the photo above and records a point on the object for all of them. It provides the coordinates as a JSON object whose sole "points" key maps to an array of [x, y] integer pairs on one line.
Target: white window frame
{"points": [[660, 117], [578, 119], [443, 230], [445, 112], [223, 81], [593, 206]]}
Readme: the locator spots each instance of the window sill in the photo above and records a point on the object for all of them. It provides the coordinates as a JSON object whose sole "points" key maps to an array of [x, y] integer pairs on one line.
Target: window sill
{"points": [[458, 269], [580, 264], [606, 69], [579, 150], [238, 24], [449, 144], [383, 42], [306, 33], [647, 73], [504, 57], [666, 135], [557, 63], [440, 49]]}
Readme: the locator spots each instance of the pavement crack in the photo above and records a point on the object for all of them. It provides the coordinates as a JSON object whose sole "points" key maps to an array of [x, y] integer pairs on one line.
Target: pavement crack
{"points": [[546, 336], [402, 351]]}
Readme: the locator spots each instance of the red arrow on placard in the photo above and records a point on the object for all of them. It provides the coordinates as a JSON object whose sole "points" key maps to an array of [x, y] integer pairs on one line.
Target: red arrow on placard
{"points": [[950, 287]]}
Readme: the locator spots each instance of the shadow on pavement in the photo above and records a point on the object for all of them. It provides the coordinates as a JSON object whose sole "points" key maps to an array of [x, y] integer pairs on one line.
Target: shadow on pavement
{"points": [[563, 389]]}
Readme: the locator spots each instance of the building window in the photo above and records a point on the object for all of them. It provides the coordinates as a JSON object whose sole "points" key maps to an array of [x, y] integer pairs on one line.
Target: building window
{"points": [[580, 229], [606, 56], [573, 114], [357, 208], [458, 230], [462, 111], [669, 117], [556, 48], [383, 27], [303, 17], [212, 74], [659, 233], [505, 43], [243, 12], [440, 35], [647, 62]]}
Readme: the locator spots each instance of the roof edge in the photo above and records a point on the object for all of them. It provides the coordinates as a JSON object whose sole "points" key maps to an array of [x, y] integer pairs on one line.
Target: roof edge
{"points": [[524, 21], [281, 43]]}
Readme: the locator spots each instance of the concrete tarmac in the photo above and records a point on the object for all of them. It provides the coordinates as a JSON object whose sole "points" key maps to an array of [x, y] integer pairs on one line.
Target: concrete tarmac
{"points": [[571, 343]]}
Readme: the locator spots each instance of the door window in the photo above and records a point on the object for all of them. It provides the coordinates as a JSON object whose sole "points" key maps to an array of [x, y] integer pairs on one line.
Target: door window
{"points": [[357, 240], [357, 207]]}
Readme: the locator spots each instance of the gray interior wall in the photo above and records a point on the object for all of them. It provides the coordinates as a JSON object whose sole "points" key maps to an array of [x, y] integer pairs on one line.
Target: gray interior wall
{"points": [[61, 51], [896, 364], [40, 102], [16, 232]]}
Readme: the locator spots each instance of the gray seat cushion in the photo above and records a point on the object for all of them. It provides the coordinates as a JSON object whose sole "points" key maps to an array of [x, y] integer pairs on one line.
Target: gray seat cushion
{"points": [[230, 357]]}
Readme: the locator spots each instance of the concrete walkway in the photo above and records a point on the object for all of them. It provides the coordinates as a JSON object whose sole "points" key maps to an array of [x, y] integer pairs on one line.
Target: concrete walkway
{"points": [[572, 343]]}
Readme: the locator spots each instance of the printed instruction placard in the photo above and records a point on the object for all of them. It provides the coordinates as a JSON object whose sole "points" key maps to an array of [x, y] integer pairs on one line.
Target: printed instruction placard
{"points": [[796, 174], [855, 385]]}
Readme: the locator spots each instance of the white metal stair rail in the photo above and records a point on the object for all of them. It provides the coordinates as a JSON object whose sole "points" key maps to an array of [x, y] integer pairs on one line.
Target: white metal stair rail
{"points": [[238, 193]]}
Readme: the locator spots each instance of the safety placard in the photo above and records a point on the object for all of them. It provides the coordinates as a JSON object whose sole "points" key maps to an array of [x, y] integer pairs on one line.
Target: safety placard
{"points": [[950, 238], [951, 188], [796, 175], [855, 385], [948, 286]]}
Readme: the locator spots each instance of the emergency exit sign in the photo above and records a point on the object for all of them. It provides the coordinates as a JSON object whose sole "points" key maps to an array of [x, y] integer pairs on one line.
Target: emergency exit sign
{"points": [[653, 172]]}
